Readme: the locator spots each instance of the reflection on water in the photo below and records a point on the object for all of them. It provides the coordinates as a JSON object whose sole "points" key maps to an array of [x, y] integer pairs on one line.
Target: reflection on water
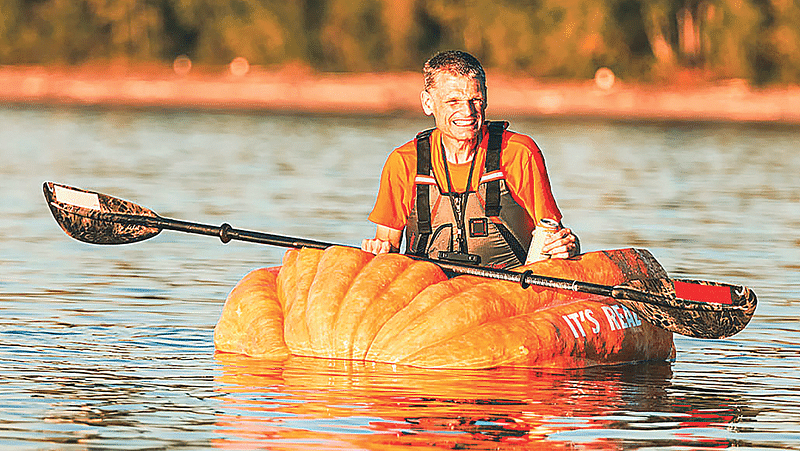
{"points": [[375, 406], [111, 347]]}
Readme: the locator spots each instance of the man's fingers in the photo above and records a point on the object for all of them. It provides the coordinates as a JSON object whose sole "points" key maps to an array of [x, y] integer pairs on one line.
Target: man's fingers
{"points": [[564, 244], [557, 239], [370, 246], [376, 246], [560, 252]]}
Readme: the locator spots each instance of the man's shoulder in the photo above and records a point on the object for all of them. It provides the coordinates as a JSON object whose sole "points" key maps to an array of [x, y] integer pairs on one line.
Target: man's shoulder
{"points": [[403, 159], [515, 142], [407, 151]]}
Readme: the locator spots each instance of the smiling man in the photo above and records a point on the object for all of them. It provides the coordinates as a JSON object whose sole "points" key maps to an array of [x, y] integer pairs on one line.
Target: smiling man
{"points": [[468, 190]]}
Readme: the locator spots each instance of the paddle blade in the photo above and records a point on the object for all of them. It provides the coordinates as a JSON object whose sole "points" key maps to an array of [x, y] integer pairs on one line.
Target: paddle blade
{"points": [[94, 217], [695, 308]]}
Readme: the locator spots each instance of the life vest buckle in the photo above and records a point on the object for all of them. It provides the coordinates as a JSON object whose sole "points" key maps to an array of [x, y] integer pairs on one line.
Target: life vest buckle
{"points": [[460, 257]]}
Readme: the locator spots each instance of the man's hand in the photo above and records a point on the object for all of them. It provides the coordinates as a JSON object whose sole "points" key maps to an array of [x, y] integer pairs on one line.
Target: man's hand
{"points": [[377, 246], [562, 244], [386, 240]]}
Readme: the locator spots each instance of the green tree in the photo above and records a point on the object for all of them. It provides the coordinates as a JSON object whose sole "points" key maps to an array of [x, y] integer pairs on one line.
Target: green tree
{"points": [[558, 38], [717, 36], [401, 31], [638, 39], [728, 29], [262, 31], [778, 56], [10, 22], [353, 35], [70, 31]]}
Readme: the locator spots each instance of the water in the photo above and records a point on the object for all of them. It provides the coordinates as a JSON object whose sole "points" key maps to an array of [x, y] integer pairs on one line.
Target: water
{"points": [[111, 347]]}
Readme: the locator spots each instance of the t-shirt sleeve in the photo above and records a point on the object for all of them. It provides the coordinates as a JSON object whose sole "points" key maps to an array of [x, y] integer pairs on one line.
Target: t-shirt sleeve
{"points": [[527, 179], [393, 200]]}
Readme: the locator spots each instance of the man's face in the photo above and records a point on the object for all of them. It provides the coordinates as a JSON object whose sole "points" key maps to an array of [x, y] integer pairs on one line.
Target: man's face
{"points": [[458, 104]]}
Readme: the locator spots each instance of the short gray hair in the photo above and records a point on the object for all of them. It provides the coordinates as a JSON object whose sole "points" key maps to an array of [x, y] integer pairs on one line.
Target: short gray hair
{"points": [[455, 62]]}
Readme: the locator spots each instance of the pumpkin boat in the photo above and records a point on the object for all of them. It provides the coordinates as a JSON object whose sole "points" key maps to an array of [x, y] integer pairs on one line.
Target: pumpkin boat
{"points": [[339, 302], [343, 303]]}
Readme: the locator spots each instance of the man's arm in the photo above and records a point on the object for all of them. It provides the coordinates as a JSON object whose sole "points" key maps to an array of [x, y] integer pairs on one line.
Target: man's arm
{"points": [[527, 178], [386, 240]]}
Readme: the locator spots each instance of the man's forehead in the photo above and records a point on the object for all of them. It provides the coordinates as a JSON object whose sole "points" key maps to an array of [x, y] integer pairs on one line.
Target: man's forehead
{"points": [[448, 80]]}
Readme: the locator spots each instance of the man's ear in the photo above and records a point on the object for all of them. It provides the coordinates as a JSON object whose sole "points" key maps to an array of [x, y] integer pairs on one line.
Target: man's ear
{"points": [[427, 102]]}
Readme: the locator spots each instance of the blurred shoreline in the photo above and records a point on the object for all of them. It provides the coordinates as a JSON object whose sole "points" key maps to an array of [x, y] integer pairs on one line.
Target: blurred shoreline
{"points": [[296, 90]]}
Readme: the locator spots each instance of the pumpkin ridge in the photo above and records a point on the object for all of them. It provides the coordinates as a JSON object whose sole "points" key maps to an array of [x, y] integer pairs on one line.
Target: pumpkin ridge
{"points": [[295, 329], [379, 296], [305, 270], [331, 282], [371, 325], [376, 264], [499, 309], [516, 332], [432, 325], [251, 322], [386, 339], [286, 278]]}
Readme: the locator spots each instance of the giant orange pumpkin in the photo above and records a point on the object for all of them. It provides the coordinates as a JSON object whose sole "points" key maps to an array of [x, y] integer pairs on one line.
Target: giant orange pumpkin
{"points": [[347, 304]]}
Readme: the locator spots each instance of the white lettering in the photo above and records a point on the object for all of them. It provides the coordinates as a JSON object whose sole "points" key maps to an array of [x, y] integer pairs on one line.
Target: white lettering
{"points": [[611, 317], [574, 317], [569, 323], [595, 324], [631, 317], [621, 317], [618, 317]]}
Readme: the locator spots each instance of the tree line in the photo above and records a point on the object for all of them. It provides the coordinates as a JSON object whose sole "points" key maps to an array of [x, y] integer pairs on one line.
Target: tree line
{"points": [[645, 40]]}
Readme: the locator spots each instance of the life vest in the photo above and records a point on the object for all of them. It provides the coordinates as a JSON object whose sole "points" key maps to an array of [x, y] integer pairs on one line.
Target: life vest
{"points": [[495, 230]]}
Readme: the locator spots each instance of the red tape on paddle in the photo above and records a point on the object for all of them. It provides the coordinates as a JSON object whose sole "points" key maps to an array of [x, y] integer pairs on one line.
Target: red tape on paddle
{"points": [[703, 293]]}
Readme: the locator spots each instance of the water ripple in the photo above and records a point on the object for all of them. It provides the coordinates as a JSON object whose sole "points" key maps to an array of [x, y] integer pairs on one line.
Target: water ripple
{"points": [[112, 347]]}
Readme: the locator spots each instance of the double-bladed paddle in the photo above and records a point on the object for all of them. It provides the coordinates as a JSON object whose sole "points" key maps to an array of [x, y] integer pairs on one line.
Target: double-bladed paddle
{"points": [[694, 308]]}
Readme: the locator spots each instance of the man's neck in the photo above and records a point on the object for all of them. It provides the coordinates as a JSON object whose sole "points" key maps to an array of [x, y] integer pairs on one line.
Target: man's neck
{"points": [[459, 152]]}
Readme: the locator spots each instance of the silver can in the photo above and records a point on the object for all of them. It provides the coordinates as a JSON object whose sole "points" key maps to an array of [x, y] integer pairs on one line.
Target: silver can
{"points": [[541, 234]]}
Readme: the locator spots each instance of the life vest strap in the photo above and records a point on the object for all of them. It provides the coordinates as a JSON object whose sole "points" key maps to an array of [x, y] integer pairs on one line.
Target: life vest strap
{"points": [[496, 129], [423, 142]]}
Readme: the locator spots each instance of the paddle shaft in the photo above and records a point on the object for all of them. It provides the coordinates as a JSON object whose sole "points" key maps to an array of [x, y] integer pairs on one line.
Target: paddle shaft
{"points": [[227, 233], [224, 232]]}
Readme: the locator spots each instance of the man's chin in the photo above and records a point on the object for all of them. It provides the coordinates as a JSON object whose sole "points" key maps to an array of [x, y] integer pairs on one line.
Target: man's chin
{"points": [[470, 135], [465, 133]]}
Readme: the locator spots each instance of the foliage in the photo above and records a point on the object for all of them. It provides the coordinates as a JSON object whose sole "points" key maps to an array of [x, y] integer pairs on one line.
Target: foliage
{"points": [[758, 40]]}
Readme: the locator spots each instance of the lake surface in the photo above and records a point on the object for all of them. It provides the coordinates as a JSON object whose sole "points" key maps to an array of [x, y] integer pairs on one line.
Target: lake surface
{"points": [[111, 347]]}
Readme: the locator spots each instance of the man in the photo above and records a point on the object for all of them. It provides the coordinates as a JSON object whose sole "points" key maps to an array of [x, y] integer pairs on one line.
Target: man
{"points": [[469, 190]]}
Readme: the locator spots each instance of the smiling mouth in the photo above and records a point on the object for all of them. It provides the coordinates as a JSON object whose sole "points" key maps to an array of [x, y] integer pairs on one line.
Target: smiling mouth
{"points": [[465, 122]]}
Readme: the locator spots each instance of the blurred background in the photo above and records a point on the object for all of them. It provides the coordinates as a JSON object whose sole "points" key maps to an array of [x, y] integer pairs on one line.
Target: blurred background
{"points": [[643, 40]]}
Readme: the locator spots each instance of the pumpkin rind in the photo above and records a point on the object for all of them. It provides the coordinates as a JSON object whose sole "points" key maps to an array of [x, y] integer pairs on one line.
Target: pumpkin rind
{"points": [[347, 304], [294, 284], [416, 277], [338, 268], [252, 320]]}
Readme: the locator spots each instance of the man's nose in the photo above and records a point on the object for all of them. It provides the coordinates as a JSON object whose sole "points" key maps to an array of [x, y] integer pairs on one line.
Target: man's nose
{"points": [[468, 108]]}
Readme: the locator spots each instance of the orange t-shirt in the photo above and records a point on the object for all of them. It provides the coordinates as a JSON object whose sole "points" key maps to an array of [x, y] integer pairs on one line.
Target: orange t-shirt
{"points": [[521, 162]]}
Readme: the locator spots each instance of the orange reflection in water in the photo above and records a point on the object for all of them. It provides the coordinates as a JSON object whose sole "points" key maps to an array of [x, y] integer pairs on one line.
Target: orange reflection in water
{"points": [[307, 403]]}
